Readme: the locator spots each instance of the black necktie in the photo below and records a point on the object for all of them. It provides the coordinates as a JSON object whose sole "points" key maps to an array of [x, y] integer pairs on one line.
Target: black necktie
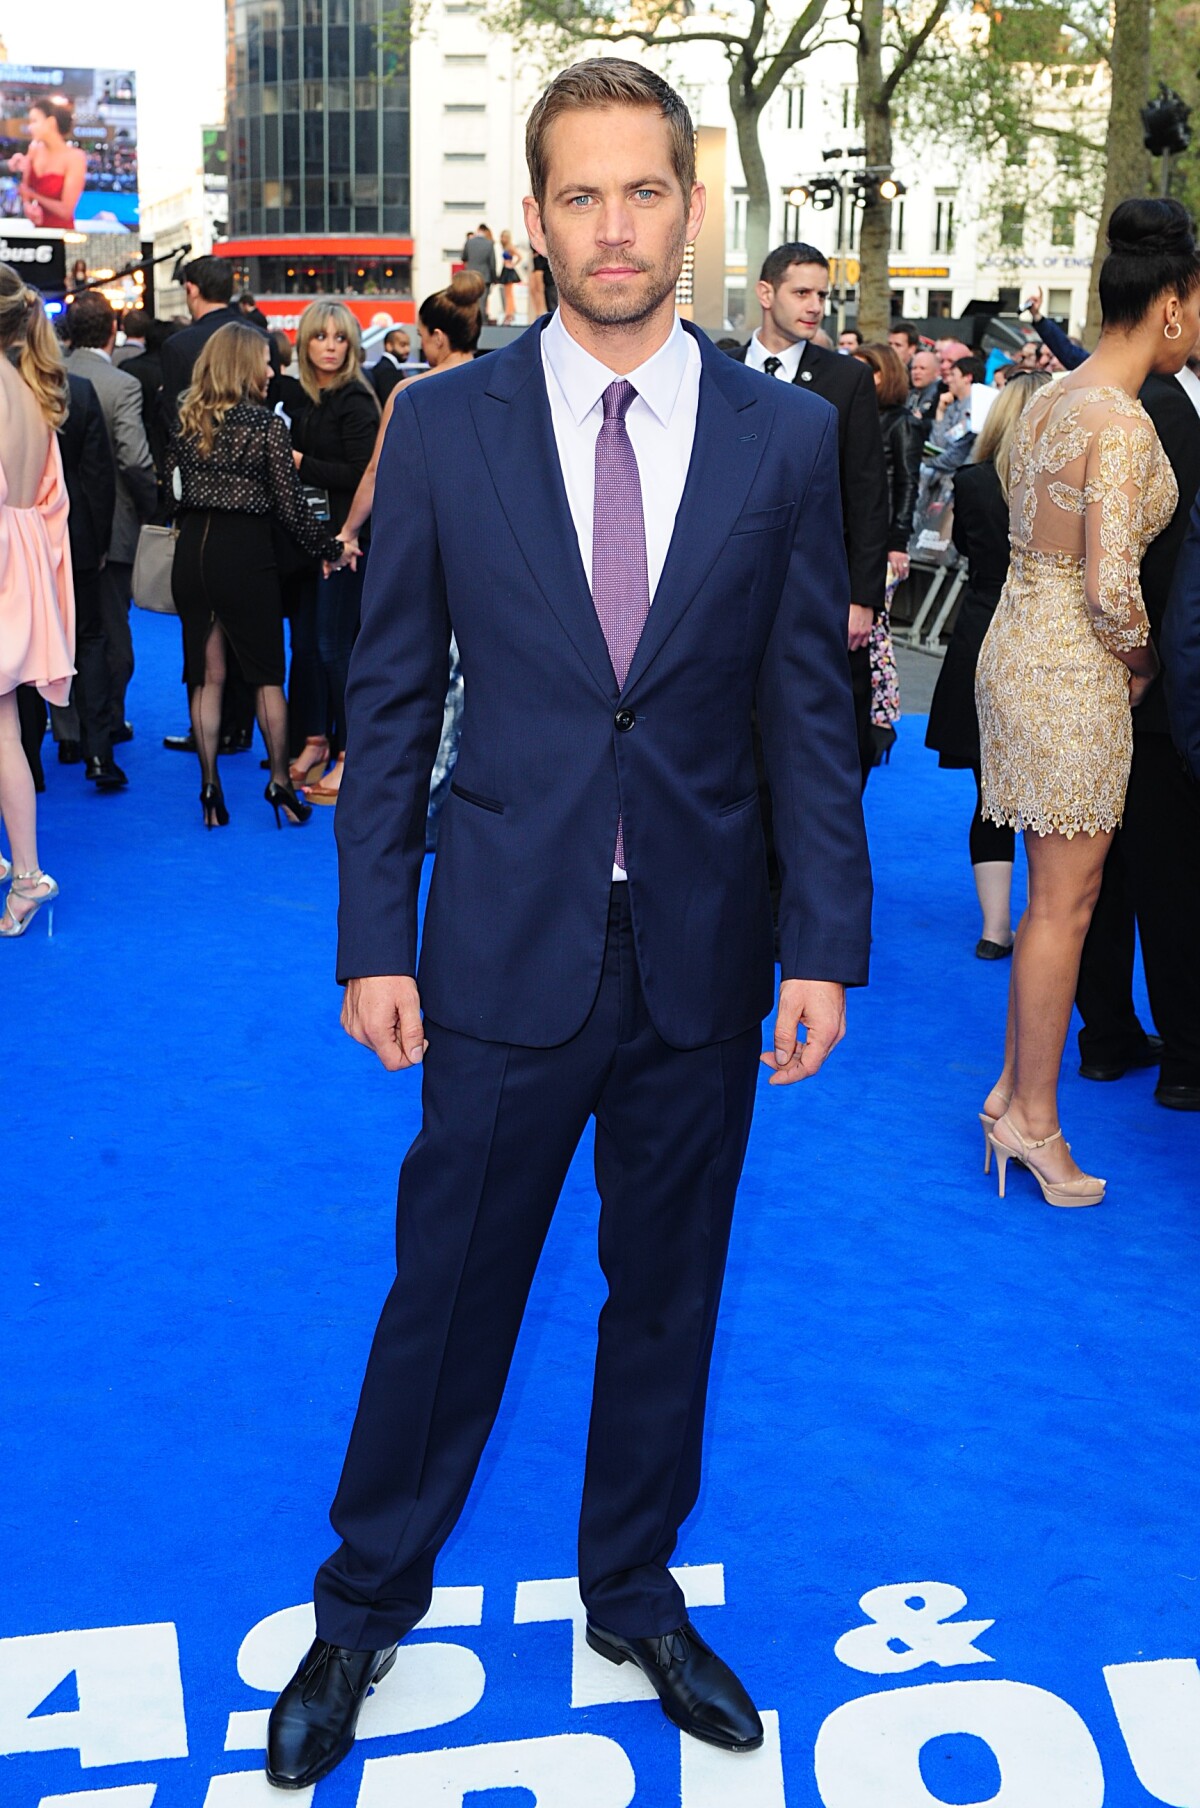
{"points": [[771, 365]]}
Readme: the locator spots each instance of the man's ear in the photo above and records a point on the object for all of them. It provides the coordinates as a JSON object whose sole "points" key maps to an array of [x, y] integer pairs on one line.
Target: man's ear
{"points": [[766, 295], [533, 225]]}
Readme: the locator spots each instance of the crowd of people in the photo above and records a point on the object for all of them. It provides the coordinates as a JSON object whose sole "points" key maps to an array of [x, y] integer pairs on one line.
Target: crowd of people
{"points": [[264, 454]]}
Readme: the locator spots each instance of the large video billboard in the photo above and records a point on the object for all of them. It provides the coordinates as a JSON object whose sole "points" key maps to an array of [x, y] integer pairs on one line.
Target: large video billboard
{"points": [[68, 148]]}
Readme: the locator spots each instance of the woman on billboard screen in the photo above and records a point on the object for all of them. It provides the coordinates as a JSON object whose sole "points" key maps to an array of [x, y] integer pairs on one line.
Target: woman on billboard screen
{"points": [[52, 170]]}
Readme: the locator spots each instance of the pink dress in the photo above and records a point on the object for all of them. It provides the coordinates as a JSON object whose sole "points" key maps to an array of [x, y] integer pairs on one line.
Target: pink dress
{"points": [[37, 596]]}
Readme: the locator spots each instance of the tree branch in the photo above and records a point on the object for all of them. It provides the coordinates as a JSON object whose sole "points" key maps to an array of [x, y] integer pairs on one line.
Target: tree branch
{"points": [[913, 49]]}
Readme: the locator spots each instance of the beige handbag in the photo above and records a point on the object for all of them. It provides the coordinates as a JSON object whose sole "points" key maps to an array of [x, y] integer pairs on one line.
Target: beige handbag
{"points": [[152, 570]]}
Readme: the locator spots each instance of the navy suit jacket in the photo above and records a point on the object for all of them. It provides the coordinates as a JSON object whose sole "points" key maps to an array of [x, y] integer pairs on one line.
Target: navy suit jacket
{"points": [[472, 530]]}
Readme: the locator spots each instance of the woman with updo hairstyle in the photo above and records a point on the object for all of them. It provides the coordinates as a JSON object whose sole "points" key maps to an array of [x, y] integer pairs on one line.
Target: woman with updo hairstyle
{"points": [[1068, 653], [53, 171], [37, 603], [449, 324]]}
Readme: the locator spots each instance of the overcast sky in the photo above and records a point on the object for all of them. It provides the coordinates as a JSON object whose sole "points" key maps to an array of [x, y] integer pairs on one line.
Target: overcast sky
{"points": [[177, 52]]}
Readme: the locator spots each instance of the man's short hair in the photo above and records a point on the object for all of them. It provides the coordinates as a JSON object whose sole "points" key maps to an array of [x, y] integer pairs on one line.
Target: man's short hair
{"points": [[212, 276], [908, 329], [778, 262], [853, 332], [90, 321], [135, 322], [609, 82], [970, 367], [397, 332]]}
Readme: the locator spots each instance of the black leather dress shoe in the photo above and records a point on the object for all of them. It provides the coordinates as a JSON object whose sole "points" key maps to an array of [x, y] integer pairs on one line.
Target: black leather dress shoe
{"points": [[699, 1692], [1177, 1098], [1149, 1055], [238, 743], [123, 734], [312, 1725], [180, 743], [69, 753], [106, 775]]}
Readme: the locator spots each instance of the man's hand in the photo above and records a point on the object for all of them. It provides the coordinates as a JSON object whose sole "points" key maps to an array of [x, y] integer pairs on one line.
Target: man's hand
{"points": [[861, 623], [384, 1014], [820, 1005]]}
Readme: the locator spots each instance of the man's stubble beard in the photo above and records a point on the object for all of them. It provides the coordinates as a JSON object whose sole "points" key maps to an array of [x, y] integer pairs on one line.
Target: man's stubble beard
{"points": [[604, 309]]}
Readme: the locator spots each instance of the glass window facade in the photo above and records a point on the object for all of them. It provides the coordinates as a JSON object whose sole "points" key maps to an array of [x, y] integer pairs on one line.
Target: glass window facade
{"points": [[322, 275], [318, 118]]}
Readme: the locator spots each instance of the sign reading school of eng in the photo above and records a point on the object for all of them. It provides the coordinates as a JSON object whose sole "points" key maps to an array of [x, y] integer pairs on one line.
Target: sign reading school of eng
{"points": [[131, 1711]]}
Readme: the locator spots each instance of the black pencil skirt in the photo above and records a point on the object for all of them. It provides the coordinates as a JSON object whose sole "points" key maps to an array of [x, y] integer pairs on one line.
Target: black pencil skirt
{"points": [[225, 571]]}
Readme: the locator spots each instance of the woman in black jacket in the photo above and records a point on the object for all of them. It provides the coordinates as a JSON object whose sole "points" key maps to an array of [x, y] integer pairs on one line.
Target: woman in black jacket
{"points": [[981, 537], [902, 440], [334, 416]]}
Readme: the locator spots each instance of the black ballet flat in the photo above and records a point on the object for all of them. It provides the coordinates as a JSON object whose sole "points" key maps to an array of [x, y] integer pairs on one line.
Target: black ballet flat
{"points": [[283, 797], [985, 950], [212, 802]]}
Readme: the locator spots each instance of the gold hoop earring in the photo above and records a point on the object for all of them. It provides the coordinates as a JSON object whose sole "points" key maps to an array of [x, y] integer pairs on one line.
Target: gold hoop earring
{"points": [[1168, 334]]}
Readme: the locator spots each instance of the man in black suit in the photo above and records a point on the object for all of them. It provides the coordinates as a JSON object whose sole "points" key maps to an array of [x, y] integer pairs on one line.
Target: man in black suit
{"points": [[793, 291], [390, 369], [208, 285], [1153, 867]]}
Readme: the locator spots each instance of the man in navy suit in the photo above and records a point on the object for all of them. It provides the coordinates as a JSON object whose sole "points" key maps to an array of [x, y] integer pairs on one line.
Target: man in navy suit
{"points": [[664, 545]]}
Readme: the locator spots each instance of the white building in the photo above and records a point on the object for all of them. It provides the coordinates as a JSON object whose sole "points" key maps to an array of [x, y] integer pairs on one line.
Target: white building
{"points": [[963, 231]]}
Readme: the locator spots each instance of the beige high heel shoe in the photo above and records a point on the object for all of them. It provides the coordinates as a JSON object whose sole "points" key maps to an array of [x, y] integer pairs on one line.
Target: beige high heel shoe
{"points": [[989, 1123], [1088, 1189]]}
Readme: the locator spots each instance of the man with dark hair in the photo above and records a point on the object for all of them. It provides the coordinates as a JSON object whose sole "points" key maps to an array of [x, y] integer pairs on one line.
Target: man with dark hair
{"points": [[849, 340], [793, 290], [134, 325], [208, 285], [904, 339], [389, 370], [92, 332], [598, 941]]}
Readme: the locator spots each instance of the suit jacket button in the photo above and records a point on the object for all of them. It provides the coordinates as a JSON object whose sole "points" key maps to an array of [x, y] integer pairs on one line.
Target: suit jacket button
{"points": [[624, 720]]}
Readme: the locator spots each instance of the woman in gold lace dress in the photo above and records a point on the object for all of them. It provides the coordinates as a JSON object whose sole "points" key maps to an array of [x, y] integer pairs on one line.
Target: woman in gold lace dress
{"points": [[1068, 653]]}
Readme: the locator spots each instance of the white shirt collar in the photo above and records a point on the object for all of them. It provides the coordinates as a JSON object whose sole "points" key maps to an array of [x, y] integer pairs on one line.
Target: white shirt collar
{"points": [[1189, 382], [583, 379], [757, 355]]}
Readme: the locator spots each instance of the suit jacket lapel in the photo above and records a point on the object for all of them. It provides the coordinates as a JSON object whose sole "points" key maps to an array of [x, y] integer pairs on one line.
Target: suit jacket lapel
{"points": [[733, 423], [512, 419]]}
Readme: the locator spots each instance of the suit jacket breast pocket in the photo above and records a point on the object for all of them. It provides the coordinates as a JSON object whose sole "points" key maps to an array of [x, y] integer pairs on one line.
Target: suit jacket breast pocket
{"points": [[762, 521]]}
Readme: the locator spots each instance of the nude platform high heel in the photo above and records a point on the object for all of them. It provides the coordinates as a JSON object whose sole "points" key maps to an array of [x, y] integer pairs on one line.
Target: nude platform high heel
{"points": [[1088, 1189]]}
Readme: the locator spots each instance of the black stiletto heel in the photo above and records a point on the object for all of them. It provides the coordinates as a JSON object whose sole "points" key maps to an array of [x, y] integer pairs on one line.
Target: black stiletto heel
{"points": [[212, 802], [283, 797]]}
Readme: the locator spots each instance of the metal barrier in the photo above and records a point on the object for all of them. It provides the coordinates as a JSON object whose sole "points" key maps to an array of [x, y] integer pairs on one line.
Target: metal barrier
{"points": [[913, 635]]}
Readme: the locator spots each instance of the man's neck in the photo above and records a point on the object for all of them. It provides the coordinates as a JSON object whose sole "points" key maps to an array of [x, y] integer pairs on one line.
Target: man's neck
{"points": [[625, 347], [776, 342], [201, 308]]}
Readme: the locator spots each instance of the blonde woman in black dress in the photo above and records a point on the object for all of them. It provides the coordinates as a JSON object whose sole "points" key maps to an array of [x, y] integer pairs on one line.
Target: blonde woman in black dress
{"points": [[231, 471], [1068, 653]]}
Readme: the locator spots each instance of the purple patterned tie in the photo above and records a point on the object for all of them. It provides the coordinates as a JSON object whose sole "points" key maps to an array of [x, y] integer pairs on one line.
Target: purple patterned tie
{"points": [[620, 581]]}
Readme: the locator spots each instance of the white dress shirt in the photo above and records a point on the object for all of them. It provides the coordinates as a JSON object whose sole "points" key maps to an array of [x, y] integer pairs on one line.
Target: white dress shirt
{"points": [[661, 423], [789, 359]]}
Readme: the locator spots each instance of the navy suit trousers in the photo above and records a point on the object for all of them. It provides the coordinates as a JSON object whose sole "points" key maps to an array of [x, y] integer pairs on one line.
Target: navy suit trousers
{"points": [[478, 1189]]}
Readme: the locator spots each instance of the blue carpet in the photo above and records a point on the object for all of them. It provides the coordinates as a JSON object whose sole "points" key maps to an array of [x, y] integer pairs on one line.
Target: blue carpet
{"points": [[915, 1384]]}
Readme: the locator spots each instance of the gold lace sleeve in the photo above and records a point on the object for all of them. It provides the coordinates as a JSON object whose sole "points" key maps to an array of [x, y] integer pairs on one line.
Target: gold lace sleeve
{"points": [[1119, 465]]}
